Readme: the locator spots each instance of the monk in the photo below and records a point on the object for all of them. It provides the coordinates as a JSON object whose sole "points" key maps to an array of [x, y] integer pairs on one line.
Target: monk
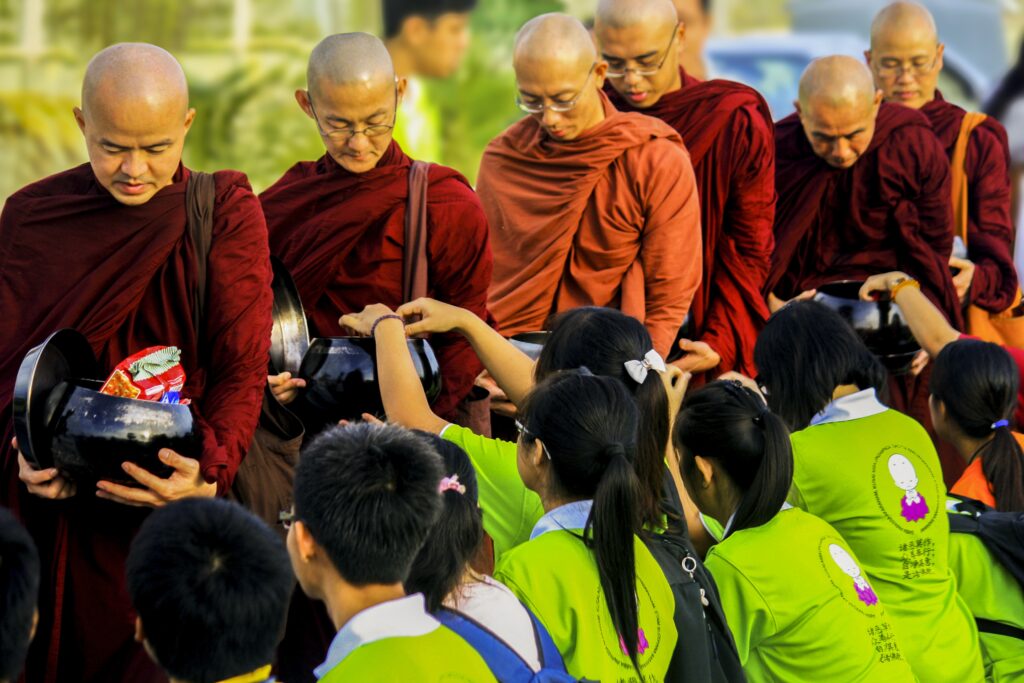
{"points": [[695, 16], [906, 58], [728, 131], [103, 248], [338, 223], [863, 186], [586, 205]]}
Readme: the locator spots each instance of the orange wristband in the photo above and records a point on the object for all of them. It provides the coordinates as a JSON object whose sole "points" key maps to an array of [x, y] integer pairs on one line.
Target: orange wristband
{"points": [[909, 282]]}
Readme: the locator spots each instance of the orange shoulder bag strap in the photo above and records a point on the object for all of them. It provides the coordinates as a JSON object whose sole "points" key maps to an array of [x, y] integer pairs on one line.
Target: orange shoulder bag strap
{"points": [[414, 260], [958, 172]]}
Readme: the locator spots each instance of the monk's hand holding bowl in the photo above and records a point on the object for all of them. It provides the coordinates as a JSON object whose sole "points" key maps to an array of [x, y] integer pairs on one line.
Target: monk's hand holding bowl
{"points": [[698, 356], [46, 483], [185, 482], [775, 303], [363, 323], [962, 280], [284, 387]]}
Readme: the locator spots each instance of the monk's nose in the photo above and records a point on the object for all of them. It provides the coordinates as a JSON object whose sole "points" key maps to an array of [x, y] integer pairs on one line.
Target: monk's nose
{"points": [[359, 143], [550, 118], [631, 78], [133, 165]]}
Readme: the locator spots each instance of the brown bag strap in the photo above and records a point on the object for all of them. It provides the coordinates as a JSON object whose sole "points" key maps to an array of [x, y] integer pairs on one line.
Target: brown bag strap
{"points": [[958, 170], [414, 261], [200, 196]]}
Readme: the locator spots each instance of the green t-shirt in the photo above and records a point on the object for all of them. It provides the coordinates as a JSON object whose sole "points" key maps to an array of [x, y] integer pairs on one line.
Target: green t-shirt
{"points": [[556, 576], [799, 606], [877, 480], [510, 509], [991, 592], [440, 656]]}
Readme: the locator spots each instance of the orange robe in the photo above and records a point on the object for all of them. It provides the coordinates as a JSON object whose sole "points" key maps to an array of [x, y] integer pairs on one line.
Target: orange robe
{"points": [[610, 218]]}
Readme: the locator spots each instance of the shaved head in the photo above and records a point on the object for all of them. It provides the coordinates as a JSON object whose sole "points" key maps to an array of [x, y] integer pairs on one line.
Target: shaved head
{"points": [[640, 40], [554, 38], [134, 116], [905, 55], [619, 14], [838, 105], [349, 59], [696, 18]]}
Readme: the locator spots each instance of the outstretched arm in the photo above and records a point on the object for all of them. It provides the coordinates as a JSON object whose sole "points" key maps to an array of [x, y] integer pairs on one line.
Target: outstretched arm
{"points": [[927, 323]]}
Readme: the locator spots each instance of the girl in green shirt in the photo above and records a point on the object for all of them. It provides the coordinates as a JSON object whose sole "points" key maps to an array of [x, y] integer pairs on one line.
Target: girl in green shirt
{"points": [[793, 591]]}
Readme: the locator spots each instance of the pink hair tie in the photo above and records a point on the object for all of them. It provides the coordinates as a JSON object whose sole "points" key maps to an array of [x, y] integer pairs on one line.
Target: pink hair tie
{"points": [[451, 484]]}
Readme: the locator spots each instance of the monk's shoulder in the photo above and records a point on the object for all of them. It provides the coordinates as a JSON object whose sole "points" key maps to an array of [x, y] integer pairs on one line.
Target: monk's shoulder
{"points": [[447, 184], [991, 135], [232, 186], [76, 180]]}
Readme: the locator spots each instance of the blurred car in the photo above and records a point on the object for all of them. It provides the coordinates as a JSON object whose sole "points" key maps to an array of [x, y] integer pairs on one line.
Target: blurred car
{"points": [[773, 63]]}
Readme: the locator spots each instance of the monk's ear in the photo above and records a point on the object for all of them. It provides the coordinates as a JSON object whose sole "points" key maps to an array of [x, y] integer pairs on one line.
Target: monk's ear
{"points": [[867, 58], [600, 72], [302, 97], [140, 633], [878, 100], [400, 86], [940, 51], [79, 119], [190, 116], [799, 111]]}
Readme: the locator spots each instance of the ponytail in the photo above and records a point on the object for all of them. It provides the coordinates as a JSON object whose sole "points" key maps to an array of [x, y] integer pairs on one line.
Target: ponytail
{"points": [[977, 382], [731, 425]]}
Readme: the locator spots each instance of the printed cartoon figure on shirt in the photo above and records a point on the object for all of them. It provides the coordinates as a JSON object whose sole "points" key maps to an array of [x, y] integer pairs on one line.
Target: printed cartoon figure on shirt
{"points": [[845, 562], [913, 506]]}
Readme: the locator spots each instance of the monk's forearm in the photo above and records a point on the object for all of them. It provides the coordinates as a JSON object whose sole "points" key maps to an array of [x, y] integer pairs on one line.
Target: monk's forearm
{"points": [[927, 323], [401, 392], [511, 368]]}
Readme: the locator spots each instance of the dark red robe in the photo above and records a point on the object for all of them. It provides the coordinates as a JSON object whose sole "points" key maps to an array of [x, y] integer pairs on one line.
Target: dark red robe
{"points": [[341, 236], [728, 131], [72, 256], [990, 229], [890, 211]]}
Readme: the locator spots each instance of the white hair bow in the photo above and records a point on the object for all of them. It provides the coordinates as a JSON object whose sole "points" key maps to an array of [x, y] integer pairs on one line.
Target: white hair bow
{"points": [[638, 369]]}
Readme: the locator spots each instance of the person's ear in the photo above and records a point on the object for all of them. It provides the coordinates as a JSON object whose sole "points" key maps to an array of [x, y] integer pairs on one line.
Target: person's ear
{"points": [[537, 456], [799, 109], [681, 35], [79, 119], [867, 58], [302, 97], [878, 101], [401, 86], [600, 72], [305, 542], [705, 471], [190, 116], [140, 633], [939, 55], [35, 624]]}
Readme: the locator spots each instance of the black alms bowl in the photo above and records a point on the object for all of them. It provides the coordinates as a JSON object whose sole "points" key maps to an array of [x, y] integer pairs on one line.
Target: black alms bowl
{"points": [[880, 324], [341, 379], [530, 343], [62, 420]]}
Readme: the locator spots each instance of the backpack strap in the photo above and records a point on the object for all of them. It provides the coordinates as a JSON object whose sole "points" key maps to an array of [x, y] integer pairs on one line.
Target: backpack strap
{"points": [[999, 628], [200, 196], [414, 259], [503, 661]]}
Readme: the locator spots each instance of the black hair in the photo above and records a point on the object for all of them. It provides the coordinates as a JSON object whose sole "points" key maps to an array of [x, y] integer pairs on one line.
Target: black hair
{"points": [[602, 340], [368, 495], [397, 11], [211, 584], [588, 425], [730, 424], [19, 594], [456, 536], [804, 352], [978, 382]]}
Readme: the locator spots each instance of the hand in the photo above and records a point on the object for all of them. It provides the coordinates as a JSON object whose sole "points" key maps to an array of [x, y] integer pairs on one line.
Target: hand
{"points": [[365, 417], [775, 303], [880, 284], [699, 356], [46, 483], [962, 280], [676, 383], [361, 323], [186, 481], [499, 400], [429, 315], [920, 362], [744, 380], [284, 388]]}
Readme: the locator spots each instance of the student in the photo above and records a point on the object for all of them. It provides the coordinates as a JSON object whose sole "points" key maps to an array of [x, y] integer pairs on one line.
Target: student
{"points": [[366, 497], [210, 583], [602, 339], [873, 474], [808, 613], [19, 595], [973, 397], [442, 569], [585, 572]]}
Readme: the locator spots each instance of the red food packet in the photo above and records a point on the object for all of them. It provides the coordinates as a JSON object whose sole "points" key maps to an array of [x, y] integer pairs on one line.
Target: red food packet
{"points": [[147, 375]]}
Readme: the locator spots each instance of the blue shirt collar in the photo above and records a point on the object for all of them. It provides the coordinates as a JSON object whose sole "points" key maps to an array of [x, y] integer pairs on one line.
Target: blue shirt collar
{"points": [[864, 403], [570, 517], [393, 619]]}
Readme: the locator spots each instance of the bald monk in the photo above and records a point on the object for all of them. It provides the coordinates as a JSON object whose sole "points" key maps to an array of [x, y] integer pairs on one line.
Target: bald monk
{"points": [[906, 58], [728, 131], [103, 248], [586, 205], [338, 223], [695, 16]]}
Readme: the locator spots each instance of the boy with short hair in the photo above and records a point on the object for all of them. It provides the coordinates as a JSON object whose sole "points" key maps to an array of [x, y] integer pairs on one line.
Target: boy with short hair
{"points": [[365, 498], [211, 584], [19, 595]]}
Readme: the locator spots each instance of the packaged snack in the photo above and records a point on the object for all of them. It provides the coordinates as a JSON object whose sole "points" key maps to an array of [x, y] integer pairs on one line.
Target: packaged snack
{"points": [[153, 374]]}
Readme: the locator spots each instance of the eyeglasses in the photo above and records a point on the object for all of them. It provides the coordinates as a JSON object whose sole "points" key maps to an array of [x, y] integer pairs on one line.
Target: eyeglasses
{"points": [[916, 67], [646, 70], [286, 518], [348, 132], [523, 431], [560, 107]]}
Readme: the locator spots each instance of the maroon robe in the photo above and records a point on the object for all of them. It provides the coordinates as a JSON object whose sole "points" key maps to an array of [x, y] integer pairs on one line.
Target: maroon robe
{"points": [[989, 228], [890, 211], [341, 235], [728, 131], [72, 256]]}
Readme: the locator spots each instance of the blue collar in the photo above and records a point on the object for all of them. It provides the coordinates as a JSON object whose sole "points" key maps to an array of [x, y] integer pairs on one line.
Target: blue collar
{"points": [[393, 619], [853, 407], [568, 517]]}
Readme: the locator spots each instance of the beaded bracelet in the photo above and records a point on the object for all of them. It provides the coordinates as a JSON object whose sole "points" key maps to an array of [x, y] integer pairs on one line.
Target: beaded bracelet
{"points": [[909, 282], [378, 321]]}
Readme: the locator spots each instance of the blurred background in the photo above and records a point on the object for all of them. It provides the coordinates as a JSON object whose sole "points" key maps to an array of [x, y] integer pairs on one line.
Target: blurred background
{"points": [[245, 58]]}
